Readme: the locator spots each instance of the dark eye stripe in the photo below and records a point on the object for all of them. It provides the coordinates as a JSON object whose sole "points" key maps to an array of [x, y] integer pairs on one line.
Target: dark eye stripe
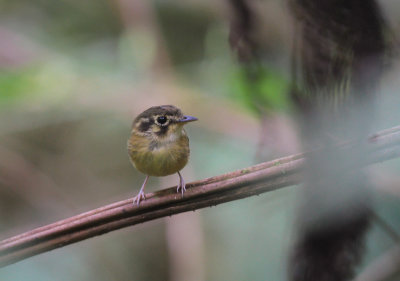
{"points": [[144, 126]]}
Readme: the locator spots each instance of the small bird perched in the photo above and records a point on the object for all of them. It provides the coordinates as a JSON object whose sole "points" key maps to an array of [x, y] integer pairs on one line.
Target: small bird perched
{"points": [[158, 144]]}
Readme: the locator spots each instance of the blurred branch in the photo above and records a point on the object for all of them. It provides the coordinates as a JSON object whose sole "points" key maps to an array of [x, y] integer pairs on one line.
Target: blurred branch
{"points": [[209, 192]]}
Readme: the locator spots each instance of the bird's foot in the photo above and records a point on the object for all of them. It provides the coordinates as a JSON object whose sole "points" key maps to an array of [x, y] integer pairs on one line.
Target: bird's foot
{"points": [[137, 198], [181, 185]]}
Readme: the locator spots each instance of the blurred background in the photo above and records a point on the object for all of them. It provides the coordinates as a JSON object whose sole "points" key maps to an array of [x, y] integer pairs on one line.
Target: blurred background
{"points": [[74, 74]]}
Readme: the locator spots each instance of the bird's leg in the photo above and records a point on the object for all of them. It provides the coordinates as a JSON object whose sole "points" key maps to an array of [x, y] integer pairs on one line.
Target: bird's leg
{"points": [[181, 184], [140, 195]]}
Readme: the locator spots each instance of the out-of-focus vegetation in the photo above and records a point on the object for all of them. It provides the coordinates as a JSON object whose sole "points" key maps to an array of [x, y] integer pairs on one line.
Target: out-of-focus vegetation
{"points": [[73, 74]]}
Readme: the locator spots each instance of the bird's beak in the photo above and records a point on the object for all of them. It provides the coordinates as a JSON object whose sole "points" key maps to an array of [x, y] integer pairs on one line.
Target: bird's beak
{"points": [[187, 119]]}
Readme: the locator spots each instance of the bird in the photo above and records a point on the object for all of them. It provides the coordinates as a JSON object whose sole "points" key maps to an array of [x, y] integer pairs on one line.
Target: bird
{"points": [[158, 144]]}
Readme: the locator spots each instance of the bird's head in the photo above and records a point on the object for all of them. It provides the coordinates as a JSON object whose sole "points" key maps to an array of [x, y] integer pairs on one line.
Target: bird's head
{"points": [[161, 122]]}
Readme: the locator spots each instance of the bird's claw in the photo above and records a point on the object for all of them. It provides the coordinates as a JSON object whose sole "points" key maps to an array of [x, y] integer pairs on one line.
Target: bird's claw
{"points": [[137, 198], [181, 186]]}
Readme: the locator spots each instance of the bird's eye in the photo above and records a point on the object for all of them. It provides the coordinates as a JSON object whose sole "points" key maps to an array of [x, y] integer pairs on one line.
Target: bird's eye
{"points": [[161, 120]]}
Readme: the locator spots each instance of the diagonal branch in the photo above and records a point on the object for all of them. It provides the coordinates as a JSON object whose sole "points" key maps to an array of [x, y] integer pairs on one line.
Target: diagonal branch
{"points": [[243, 183]]}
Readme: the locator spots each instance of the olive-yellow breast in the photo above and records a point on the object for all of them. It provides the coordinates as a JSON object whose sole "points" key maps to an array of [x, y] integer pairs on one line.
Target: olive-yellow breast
{"points": [[158, 144]]}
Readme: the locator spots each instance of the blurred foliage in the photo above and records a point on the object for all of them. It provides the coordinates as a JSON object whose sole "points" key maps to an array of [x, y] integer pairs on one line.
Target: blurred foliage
{"points": [[15, 84], [267, 92], [73, 20]]}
